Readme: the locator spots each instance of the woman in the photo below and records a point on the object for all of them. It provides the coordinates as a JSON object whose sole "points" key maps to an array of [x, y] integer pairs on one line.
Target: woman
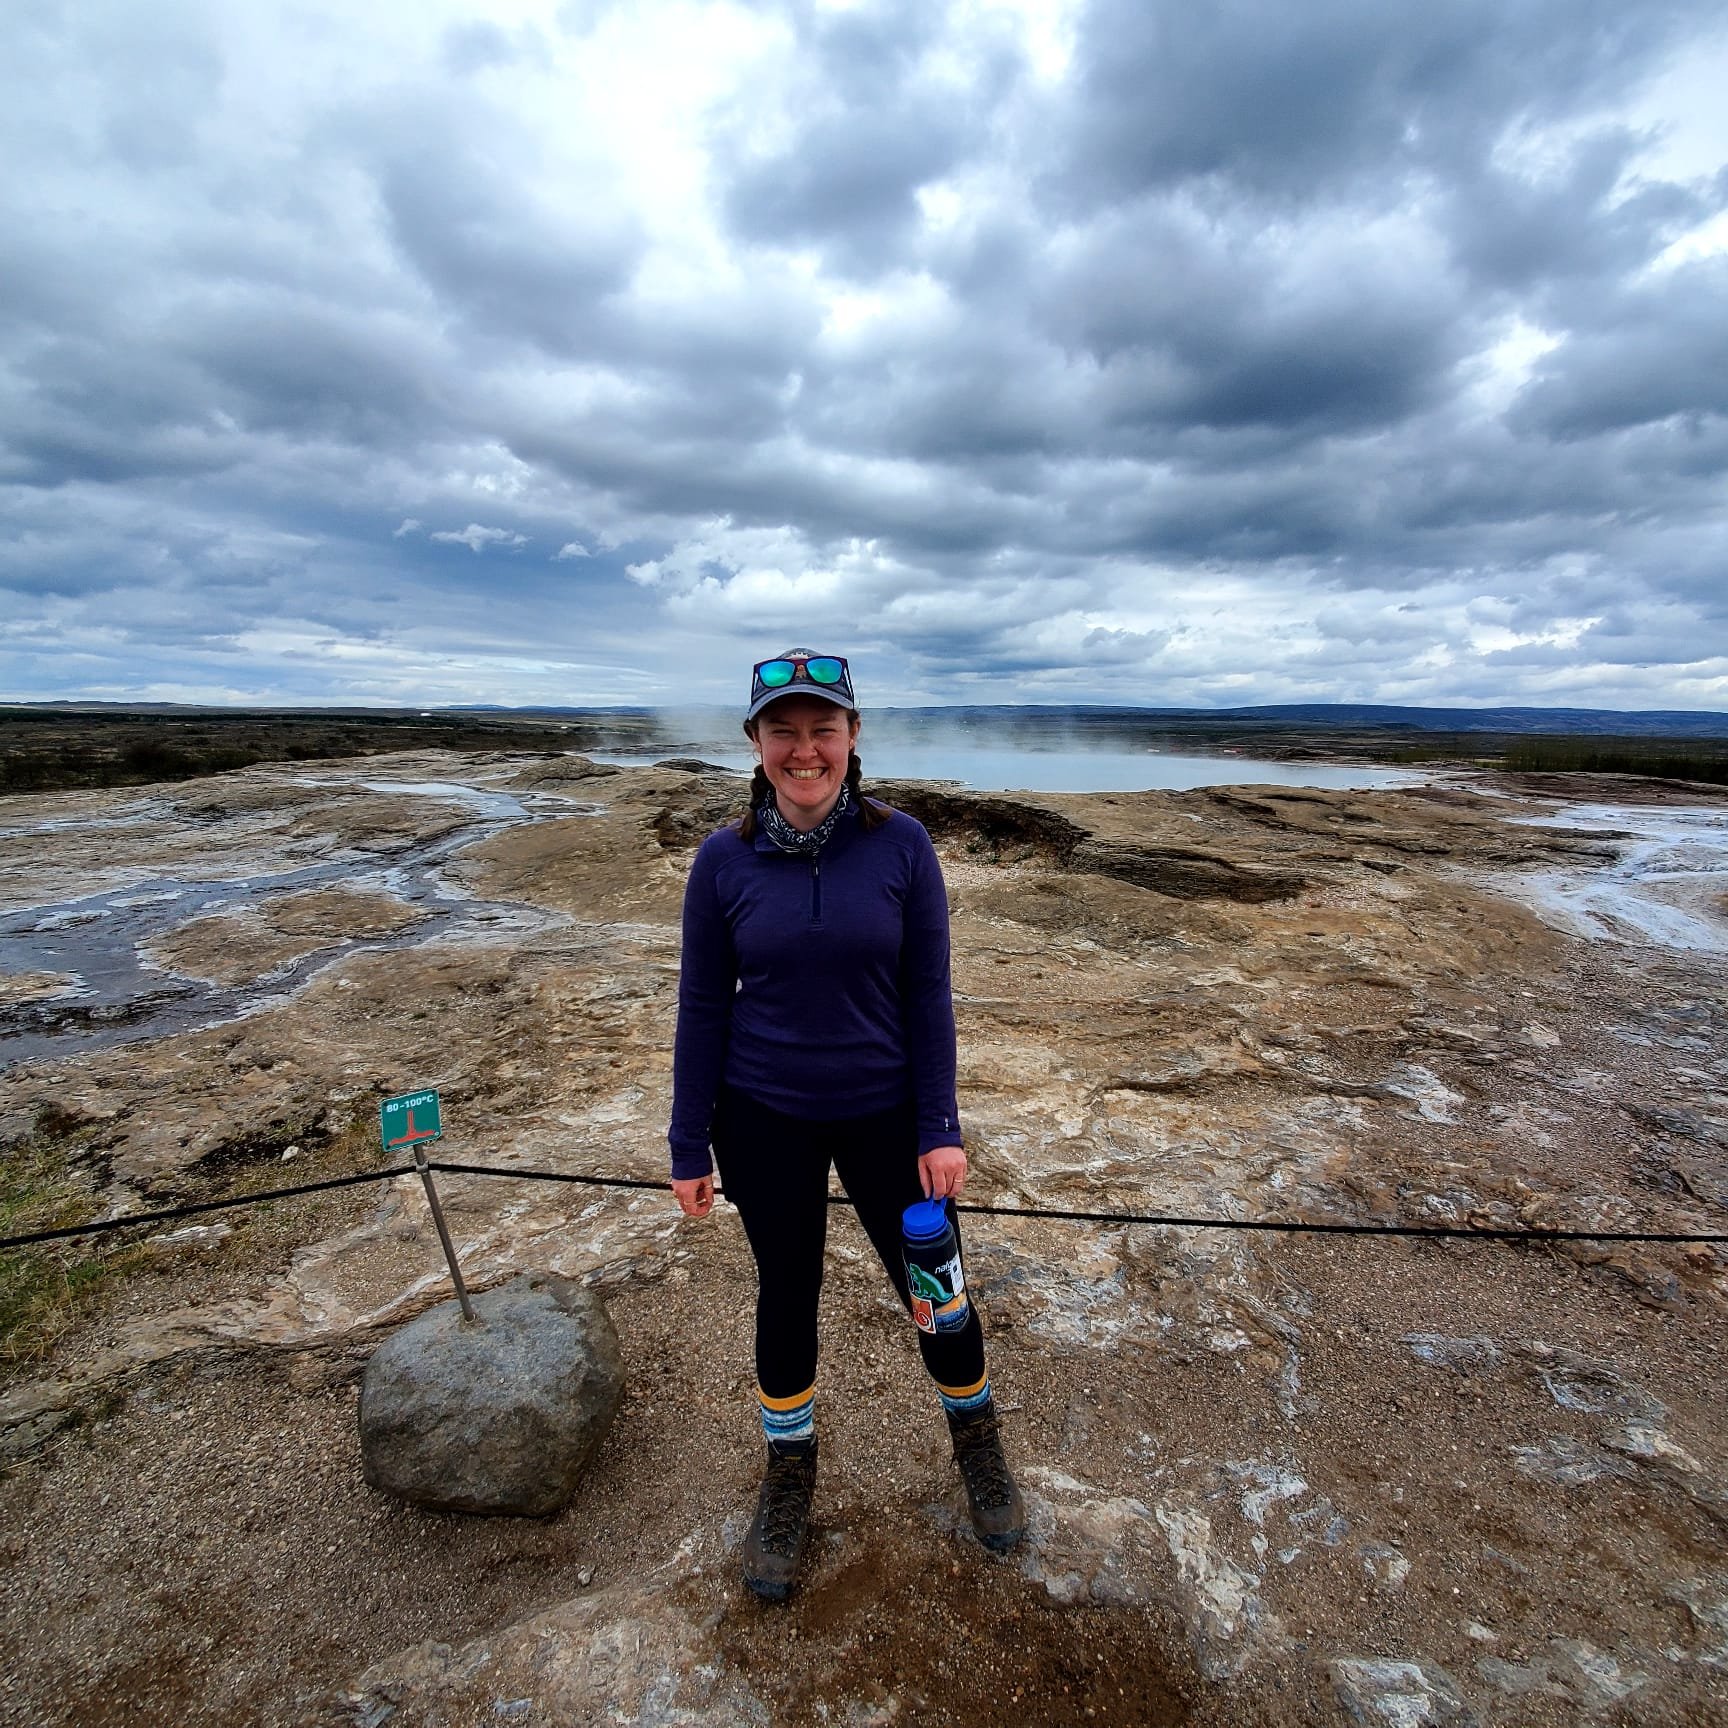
{"points": [[816, 1027]]}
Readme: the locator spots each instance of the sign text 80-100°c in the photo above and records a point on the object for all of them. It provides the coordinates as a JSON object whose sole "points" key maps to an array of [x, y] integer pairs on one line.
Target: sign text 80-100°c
{"points": [[410, 1117]]}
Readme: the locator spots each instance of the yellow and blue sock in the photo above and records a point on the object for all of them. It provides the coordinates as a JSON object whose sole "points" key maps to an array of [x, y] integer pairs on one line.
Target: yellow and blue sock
{"points": [[964, 1402], [789, 1424]]}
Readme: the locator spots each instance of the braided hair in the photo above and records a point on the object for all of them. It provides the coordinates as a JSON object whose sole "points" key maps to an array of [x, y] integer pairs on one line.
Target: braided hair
{"points": [[871, 815], [759, 792]]}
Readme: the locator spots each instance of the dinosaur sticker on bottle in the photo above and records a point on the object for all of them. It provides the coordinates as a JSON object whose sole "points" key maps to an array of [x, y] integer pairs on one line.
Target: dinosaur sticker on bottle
{"points": [[934, 1274]]}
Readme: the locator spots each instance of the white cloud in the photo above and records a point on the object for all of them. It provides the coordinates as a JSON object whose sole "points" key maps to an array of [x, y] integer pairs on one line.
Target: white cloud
{"points": [[477, 538]]}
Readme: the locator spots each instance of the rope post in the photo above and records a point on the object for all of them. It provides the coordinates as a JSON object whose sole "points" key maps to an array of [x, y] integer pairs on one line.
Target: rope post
{"points": [[425, 1170]]}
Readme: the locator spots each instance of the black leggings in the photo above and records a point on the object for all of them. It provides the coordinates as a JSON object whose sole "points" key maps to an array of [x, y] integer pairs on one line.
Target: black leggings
{"points": [[774, 1169]]}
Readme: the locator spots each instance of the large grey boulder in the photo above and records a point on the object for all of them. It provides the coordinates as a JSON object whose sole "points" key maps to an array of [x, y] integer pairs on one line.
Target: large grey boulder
{"points": [[495, 1416]]}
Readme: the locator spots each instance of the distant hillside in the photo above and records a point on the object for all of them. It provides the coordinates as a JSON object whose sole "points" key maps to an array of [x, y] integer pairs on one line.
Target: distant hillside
{"points": [[1593, 722], [1331, 716], [1356, 717]]}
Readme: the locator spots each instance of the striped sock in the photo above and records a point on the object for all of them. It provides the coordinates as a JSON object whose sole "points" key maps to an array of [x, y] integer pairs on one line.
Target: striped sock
{"points": [[788, 1424], [964, 1401]]}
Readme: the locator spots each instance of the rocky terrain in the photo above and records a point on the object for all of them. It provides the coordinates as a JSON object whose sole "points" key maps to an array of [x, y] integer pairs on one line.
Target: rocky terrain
{"points": [[1273, 1478]]}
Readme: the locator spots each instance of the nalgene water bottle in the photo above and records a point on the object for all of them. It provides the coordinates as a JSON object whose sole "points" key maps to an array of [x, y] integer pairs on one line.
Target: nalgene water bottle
{"points": [[933, 1270]]}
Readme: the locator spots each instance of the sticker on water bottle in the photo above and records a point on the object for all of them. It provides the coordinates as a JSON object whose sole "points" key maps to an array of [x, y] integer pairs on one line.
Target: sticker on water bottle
{"points": [[938, 1295]]}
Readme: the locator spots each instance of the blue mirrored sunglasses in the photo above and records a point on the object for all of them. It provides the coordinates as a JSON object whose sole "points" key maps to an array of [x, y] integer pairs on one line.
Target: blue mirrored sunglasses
{"points": [[827, 670]]}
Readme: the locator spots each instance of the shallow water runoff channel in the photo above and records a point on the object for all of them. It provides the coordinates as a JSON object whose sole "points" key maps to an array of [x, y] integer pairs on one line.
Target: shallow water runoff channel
{"points": [[86, 972], [95, 968]]}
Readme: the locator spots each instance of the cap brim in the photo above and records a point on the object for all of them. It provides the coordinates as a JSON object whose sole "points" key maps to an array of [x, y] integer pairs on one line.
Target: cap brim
{"points": [[826, 694]]}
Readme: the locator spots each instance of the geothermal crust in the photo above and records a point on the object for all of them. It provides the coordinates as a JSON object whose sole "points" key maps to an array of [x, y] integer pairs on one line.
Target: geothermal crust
{"points": [[1271, 1478]]}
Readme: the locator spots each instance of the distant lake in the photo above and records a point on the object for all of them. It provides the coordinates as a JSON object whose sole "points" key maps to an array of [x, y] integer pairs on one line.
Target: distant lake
{"points": [[1058, 769]]}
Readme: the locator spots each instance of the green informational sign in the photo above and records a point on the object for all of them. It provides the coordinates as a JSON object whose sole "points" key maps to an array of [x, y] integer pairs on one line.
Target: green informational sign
{"points": [[413, 1116]]}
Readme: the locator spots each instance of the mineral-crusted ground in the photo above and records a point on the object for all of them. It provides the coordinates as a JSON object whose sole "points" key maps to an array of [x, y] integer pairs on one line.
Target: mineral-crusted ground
{"points": [[1272, 1479]]}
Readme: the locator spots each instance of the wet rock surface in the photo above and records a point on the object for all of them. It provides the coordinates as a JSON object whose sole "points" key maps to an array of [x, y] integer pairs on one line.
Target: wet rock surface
{"points": [[1278, 1479]]}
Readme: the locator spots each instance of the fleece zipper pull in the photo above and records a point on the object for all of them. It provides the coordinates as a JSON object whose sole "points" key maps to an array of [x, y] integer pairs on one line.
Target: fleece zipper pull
{"points": [[816, 889]]}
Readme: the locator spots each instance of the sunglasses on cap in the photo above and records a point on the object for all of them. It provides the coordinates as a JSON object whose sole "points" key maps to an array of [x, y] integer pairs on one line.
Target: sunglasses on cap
{"points": [[826, 674]]}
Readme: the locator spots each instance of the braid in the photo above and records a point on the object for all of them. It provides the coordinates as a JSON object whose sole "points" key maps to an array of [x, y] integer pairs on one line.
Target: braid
{"points": [[759, 791], [869, 815]]}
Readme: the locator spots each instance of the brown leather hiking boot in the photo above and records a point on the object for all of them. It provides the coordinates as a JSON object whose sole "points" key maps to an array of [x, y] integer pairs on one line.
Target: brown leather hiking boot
{"points": [[998, 1514], [775, 1544]]}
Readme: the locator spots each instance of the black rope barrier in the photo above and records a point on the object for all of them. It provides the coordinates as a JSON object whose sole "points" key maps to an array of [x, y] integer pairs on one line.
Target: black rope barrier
{"points": [[1161, 1219], [129, 1219], [439, 1165], [1158, 1218]]}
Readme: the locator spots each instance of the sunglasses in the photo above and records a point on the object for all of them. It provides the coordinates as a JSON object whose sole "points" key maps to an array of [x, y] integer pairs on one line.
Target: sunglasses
{"points": [[829, 671]]}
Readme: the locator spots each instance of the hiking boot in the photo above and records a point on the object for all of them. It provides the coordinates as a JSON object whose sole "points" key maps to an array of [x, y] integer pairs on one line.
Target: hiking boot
{"points": [[998, 1514], [775, 1544]]}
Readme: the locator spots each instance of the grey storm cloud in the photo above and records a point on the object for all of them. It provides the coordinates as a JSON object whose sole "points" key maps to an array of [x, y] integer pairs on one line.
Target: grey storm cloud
{"points": [[520, 269], [1299, 103], [1651, 353], [881, 117], [1033, 350]]}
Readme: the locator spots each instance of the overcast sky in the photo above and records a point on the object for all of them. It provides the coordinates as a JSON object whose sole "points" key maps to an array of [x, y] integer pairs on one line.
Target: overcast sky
{"points": [[1132, 350]]}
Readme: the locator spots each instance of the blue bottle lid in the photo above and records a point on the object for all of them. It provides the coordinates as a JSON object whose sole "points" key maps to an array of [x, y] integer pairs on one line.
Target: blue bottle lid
{"points": [[925, 1220]]}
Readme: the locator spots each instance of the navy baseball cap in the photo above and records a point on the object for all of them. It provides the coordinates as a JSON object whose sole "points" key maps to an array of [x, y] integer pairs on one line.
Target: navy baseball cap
{"points": [[799, 672]]}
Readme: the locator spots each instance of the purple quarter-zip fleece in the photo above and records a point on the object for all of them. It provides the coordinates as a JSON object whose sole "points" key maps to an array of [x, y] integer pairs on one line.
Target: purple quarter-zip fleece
{"points": [[817, 986]]}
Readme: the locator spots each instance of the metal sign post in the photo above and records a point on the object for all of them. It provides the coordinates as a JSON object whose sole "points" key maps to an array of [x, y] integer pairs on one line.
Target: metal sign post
{"points": [[412, 1119]]}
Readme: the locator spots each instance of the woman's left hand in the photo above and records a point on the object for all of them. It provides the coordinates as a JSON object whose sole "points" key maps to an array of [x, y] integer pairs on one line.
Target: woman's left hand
{"points": [[942, 1170]]}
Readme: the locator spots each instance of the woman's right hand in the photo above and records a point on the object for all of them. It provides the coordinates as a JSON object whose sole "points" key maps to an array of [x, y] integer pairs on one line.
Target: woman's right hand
{"points": [[694, 1194]]}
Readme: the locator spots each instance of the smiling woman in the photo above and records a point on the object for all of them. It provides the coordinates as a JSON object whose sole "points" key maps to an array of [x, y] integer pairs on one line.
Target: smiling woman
{"points": [[805, 748], [816, 1031], [804, 727]]}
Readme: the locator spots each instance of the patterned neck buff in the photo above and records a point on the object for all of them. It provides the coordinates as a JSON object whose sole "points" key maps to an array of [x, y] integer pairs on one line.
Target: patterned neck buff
{"points": [[795, 840]]}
